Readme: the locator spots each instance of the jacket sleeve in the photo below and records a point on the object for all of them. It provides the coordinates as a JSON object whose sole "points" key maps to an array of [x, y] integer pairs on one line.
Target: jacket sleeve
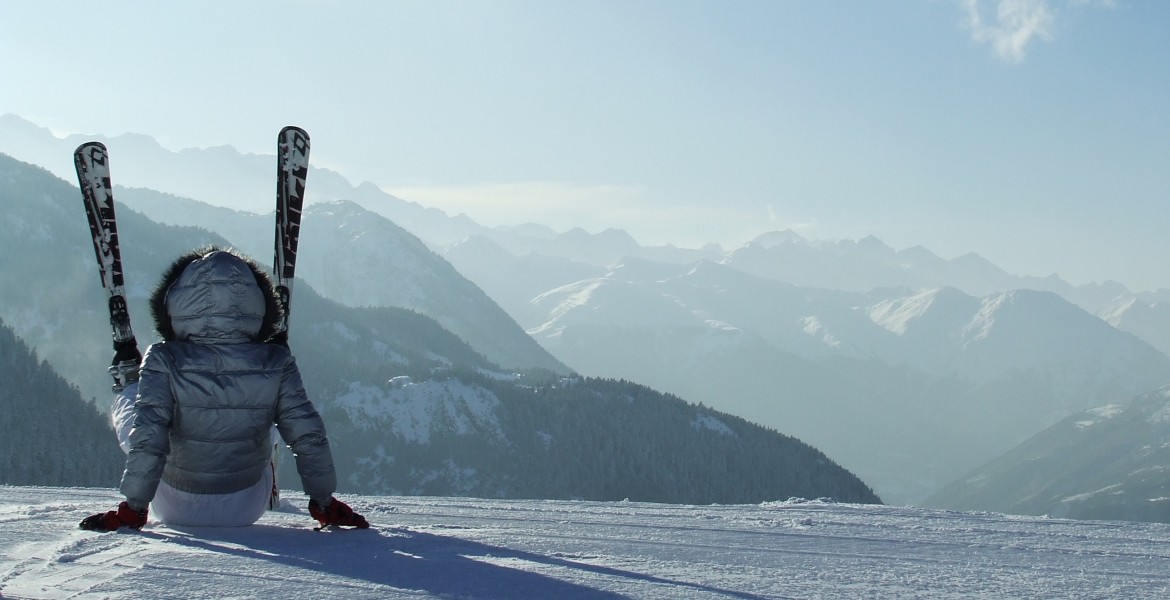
{"points": [[149, 440], [302, 428]]}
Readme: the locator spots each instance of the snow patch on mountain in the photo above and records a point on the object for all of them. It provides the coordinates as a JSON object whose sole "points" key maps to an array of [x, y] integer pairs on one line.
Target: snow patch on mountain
{"points": [[1099, 414], [1109, 489], [711, 423], [1148, 318], [615, 303], [1162, 415], [413, 411], [343, 331], [817, 330], [772, 239], [931, 310], [459, 477], [333, 330], [980, 327]]}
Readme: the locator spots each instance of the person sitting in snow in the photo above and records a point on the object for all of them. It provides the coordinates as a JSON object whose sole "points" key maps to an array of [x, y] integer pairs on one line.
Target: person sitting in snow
{"points": [[196, 422]]}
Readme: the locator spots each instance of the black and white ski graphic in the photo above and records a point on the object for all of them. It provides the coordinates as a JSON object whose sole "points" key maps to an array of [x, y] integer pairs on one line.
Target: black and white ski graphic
{"points": [[93, 175], [292, 167]]}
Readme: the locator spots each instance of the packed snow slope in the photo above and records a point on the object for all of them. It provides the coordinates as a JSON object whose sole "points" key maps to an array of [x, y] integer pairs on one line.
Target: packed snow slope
{"points": [[424, 547]]}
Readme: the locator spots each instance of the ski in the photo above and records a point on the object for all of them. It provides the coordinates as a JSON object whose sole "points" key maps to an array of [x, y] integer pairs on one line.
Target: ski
{"points": [[292, 167], [93, 176]]}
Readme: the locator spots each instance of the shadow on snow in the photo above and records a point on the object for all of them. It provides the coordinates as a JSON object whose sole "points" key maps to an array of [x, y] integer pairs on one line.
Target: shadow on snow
{"points": [[413, 560]]}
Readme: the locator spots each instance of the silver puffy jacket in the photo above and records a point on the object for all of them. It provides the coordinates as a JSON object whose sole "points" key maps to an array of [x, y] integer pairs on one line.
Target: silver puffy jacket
{"points": [[210, 393]]}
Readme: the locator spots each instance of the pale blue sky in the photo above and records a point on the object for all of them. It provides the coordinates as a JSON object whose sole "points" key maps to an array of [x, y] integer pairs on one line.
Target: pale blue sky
{"points": [[1033, 132]]}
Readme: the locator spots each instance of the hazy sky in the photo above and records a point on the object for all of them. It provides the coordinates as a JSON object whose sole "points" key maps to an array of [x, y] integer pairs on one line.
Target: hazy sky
{"points": [[1033, 132]]}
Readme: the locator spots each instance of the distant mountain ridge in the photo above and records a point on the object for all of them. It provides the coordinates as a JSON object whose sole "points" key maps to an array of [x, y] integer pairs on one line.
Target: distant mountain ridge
{"points": [[1107, 462], [1147, 319], [221, 175], [478, 430], [909, 390], [869, 263], [829, 339], [362, 259]]}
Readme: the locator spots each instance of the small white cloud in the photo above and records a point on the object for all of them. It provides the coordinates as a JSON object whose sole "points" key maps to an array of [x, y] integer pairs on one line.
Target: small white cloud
{"points": [[1009, 26], [1015, 24]]}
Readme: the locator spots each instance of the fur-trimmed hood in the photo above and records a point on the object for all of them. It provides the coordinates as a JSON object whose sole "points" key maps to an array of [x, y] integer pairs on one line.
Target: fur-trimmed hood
{"points": [[213, 295]]}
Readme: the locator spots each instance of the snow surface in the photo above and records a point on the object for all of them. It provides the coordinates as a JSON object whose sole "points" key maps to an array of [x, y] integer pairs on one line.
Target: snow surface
{"points": [[426, 547], [1099, 414]]}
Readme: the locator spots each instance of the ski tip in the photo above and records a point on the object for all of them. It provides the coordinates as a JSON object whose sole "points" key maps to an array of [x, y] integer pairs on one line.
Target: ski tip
{"points": [[293, 128], [88, 145]]}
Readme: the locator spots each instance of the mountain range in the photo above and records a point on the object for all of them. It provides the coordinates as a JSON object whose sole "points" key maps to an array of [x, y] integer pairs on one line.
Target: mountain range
{"points": [[410, 406], [345, 252], [909, 391], [907, 368]]}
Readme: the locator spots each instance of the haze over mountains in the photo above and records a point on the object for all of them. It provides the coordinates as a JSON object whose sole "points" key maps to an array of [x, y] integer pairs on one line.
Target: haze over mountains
{"points": [[909, 391], [411, 407], [907, 368], [350, 247], [1108, 462]]}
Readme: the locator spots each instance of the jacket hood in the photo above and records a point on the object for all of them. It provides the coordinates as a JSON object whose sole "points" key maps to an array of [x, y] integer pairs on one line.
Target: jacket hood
{"points": [[213, 295]]}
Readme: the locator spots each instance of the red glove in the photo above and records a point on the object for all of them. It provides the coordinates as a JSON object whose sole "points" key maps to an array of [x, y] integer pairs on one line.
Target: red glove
{"points": [[337, 513], [111, 521]]}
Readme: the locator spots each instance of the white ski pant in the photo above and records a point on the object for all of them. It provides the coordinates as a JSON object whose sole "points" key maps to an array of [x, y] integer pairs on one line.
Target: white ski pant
{"points": [[176, 507]]}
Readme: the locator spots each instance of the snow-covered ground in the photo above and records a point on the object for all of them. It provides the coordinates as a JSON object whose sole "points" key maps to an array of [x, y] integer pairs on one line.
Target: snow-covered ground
{"points": [[421, 547]]}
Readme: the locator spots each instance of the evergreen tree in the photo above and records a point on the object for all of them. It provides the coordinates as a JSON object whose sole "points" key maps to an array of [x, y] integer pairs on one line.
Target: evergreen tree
{"points": [[50, 435]]}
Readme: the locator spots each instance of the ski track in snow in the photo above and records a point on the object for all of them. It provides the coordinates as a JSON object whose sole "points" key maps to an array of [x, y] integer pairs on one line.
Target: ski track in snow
{"points": [[425, 547]]}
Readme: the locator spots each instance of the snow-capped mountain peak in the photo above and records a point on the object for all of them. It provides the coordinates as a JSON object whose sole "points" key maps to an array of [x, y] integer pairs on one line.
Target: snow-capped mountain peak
{"points": [[940, 308], [777, 238]]}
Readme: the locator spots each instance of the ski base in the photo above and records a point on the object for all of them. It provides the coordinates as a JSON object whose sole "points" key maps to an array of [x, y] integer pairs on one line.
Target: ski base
{"points": [[91, 161]]}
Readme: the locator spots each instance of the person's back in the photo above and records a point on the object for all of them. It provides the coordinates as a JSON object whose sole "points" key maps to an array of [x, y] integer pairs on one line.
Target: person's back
{"points": [[221, 402]]}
